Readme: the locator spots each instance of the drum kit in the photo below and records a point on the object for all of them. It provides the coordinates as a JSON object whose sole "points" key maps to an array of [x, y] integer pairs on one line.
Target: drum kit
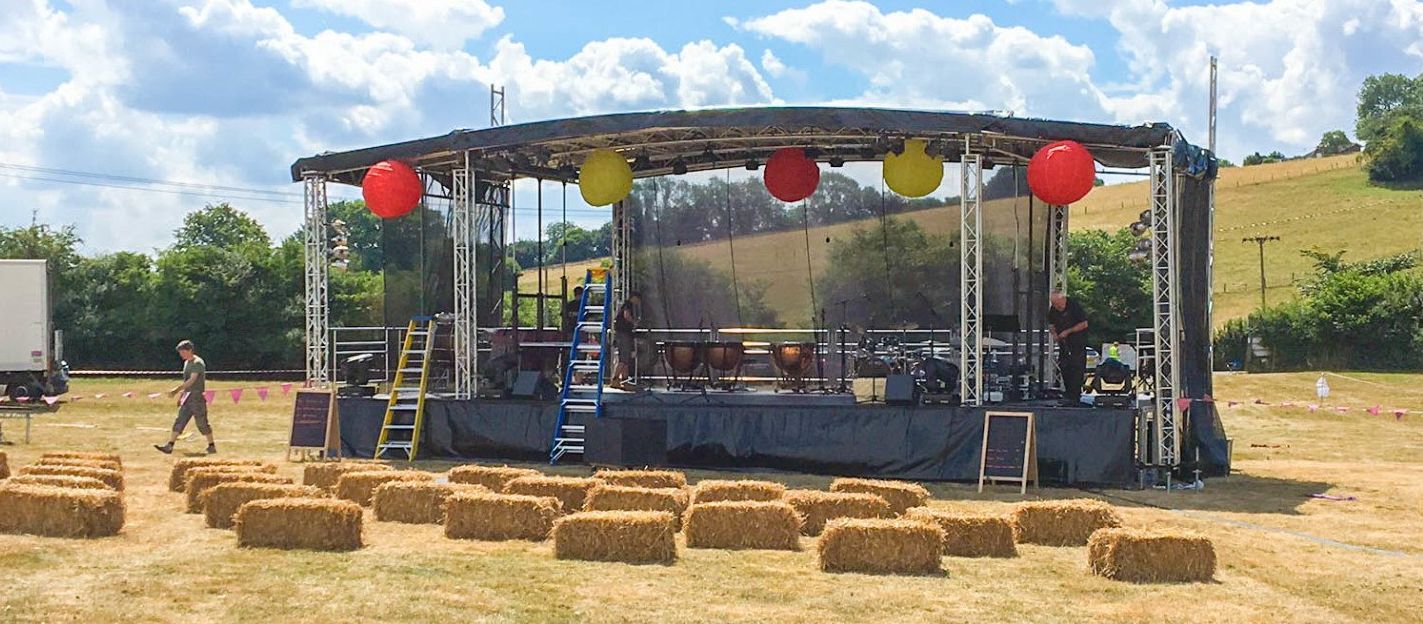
{"points": [[876, 356]]}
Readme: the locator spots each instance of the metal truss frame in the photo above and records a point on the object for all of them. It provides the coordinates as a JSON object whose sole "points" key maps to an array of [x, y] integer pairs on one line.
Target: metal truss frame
{"points": [[462, 224], [317, 283], [1165, 316], [1057, 273], [970, 279]]}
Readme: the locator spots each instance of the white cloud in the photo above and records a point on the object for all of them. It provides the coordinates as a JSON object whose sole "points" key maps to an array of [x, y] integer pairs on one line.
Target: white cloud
{"points": [[443, 24], [918, 58], [772, 65], [224, 92]]}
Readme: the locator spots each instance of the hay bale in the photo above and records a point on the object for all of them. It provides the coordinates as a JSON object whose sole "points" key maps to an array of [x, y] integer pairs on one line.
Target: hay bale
{"points": [[607, 497], [61, 481], [80, 461], [496, 517], [359, 487], [325, 474], [713, 490], [4, 466], [1151, 556], [305, 523], [571, 491], [111, 478], [492, 477], [111, 457], [178, 477], [200, 480], [816, 507], [416, 502], [626, 536], [880, 546], [1061, 522], [650, 479], [737, 525], [900, 495], [60, 512], [223, 500], [970, 535]]}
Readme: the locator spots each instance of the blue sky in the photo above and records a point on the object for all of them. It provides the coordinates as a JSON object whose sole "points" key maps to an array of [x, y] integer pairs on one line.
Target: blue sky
{"points": [[227, 93]]}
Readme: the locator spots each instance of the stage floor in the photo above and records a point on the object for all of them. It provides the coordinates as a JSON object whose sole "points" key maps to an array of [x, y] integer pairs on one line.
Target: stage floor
{"points": [[1076, 446]]}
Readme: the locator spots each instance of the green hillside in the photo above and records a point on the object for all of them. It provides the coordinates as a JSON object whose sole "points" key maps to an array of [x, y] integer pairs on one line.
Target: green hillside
{"points": [[1325, 203]]}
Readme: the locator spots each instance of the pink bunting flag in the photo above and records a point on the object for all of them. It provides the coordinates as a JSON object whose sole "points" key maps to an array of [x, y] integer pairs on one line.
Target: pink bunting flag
{"points": [[262, 393], [1259, 402], [1398, 414], [4, 398], [1231, 404], [50, 400], [1313, 407], [286, 388], [23, 399], [236, 394], [128, 395], [1341, 409], [1287, 404], [100, 395], [154, 395], [1374, 410], [75, 398], [1183, 404], [209, 396]]}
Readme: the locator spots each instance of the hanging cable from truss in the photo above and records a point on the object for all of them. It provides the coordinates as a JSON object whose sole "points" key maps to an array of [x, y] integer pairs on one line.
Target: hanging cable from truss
{"points": [[731, 242]]}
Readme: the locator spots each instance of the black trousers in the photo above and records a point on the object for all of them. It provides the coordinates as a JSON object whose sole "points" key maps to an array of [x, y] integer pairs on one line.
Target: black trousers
{"points": [[1072, 363]]}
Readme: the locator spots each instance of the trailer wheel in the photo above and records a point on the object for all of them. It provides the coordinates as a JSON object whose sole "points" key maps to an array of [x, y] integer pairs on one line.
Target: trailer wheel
{"points": [[30, 391]]}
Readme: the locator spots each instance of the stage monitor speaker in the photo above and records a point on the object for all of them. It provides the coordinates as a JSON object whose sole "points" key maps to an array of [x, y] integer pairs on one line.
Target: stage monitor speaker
{"points": [[626, 442], [533, 385], [899, 390]]}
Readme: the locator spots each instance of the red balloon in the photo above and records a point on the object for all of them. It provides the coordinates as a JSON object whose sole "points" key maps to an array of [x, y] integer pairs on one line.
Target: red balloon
{"points": [[790, 176], [1061, 173], [391, 189]]}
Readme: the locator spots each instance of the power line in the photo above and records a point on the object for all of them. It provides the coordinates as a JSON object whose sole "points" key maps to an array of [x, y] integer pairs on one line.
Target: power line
{"points": [[148, 181]]}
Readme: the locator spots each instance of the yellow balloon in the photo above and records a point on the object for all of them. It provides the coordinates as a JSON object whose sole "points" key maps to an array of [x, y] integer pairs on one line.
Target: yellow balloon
{"points": [[605, 178], [913, 173]]}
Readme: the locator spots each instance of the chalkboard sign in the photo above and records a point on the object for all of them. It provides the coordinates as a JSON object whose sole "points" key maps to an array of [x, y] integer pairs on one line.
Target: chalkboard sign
{"points": [[315, 426], [1009, 449]]}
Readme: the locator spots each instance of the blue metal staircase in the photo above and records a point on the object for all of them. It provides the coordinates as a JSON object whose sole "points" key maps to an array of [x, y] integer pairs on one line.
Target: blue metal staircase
{"points": [[585, 358]]}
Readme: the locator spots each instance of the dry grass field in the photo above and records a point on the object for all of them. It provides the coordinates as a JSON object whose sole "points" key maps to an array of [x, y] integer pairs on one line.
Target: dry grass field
{"points": [[1283, 556], [1325, 203]]}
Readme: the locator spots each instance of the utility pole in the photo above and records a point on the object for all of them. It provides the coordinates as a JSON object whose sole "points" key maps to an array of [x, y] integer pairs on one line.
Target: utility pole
{"points": [[1212, 111], [1261, 240]]}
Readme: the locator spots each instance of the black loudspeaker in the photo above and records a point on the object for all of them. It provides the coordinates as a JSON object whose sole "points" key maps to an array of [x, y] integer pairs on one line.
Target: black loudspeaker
{"points": [[626, 442], [533, 385], [899, 390]]}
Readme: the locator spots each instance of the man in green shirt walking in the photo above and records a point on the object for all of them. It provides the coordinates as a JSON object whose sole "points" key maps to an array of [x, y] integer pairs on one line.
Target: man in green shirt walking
{"points": [[192, 405]]}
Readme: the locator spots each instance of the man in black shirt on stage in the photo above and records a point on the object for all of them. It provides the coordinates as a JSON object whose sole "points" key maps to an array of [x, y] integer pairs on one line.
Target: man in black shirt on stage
{"points": [[1069, 328]]}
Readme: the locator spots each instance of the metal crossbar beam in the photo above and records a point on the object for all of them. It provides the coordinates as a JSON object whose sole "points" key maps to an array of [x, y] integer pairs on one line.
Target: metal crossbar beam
{"points": [[970, 278], [466, 299], [1163, 306], [317, 264]]}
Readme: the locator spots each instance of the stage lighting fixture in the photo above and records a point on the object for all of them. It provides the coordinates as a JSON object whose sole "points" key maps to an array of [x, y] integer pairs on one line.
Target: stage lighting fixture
{"points": [[752, 165], [708, 156], [1145, 216], [837, 162], [812, 153], [642, 162], [1137, 255], [1139, 228], [679, 166], [1143, 245]]}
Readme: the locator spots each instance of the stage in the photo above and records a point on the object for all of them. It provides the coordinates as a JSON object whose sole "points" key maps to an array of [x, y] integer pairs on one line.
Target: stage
{"points": [[831, 436]]}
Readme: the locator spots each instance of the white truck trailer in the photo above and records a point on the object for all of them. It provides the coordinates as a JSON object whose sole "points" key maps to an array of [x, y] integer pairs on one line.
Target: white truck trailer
{"points": [[31, 358]]}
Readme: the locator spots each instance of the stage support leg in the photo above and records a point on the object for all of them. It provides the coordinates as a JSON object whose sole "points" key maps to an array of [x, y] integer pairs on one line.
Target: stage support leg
{"points": [[318, 311], [970, 277], [1165, 319], [1057, 280], [465, 270]]}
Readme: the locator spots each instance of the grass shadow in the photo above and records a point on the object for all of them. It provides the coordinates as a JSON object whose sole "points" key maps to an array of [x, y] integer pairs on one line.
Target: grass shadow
{"points": [[1240, 493]]}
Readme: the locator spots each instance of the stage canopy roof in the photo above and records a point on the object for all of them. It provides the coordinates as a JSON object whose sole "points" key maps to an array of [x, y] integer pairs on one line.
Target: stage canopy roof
{"points": [[662, 141]]}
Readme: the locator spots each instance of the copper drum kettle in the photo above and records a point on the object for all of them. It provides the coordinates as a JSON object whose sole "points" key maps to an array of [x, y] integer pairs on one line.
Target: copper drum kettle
{"points": [[794, 358], [682, 357], [724, 357]]}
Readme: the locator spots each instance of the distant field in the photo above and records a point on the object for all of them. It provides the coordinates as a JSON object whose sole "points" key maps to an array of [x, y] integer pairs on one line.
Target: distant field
{"points": [[1325, 203]]}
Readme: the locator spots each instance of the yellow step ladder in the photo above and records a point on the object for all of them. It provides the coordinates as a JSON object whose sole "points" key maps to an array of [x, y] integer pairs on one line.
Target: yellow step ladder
{"points": [[405, 412]]}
